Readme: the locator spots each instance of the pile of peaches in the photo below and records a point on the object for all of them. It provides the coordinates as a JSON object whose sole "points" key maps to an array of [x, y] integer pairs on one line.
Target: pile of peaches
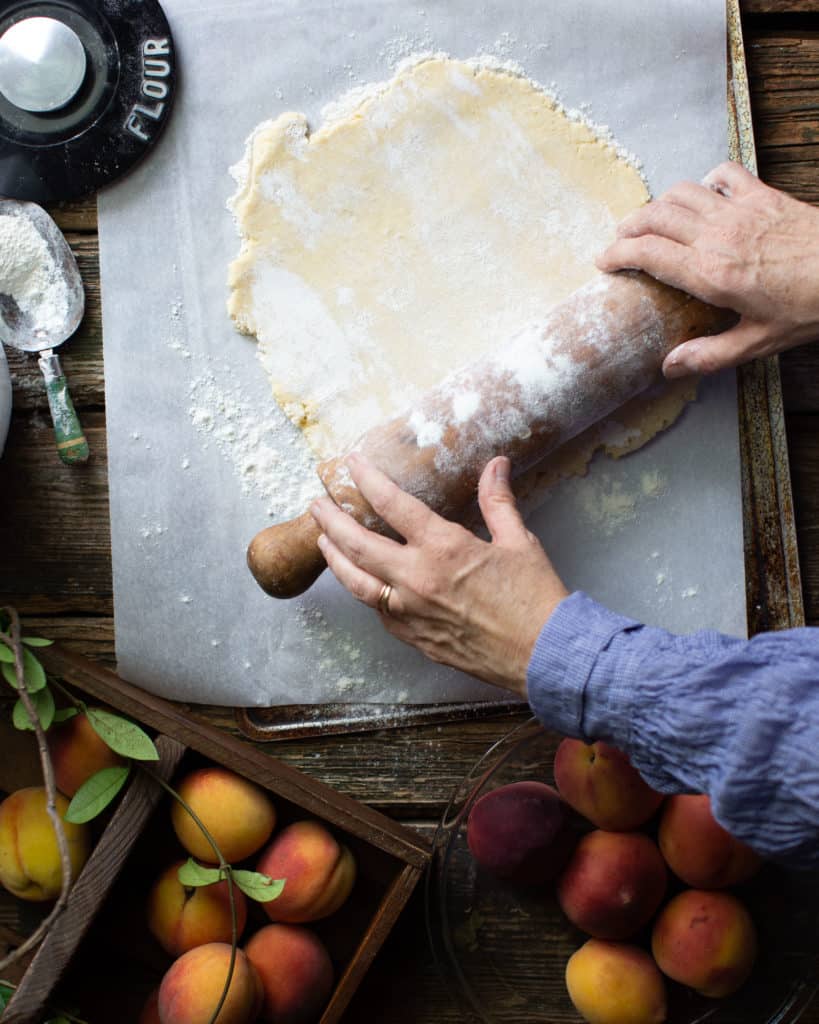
{"points": [[611, 882], [282, 972]]}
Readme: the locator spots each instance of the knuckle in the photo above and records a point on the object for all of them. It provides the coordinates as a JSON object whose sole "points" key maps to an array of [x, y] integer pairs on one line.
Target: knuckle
{"points": [[708, 360], [359, 589], [355, 550]]}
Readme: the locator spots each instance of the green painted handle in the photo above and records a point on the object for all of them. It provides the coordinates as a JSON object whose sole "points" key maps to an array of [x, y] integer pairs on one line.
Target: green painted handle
{"points": [[71, 444]]}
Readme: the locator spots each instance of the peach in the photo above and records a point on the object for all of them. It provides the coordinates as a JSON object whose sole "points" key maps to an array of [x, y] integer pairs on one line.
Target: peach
{"points": [[613, 883], [29, 856], [521, 832], [181, 918], [599, 782], [319, 872], [150, 1011], [612, 983], [77, 753], [706, 940], [295, 971], [238, 814], [193, 984], [699, 850]]}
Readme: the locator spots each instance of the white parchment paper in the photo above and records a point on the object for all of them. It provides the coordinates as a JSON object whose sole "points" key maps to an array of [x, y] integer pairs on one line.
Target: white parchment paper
{"points": [[657, 536]]}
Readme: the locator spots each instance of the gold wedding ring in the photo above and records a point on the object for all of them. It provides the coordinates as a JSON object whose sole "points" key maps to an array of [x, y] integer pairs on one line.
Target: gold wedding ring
{"points": [[383, 603]]}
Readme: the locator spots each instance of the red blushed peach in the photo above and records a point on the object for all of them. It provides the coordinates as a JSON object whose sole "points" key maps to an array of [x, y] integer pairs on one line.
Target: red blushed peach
{"points": [[77, 753], [699, 850], [599, 782], [181, 918], [30, 865], [613, 884], [612, 983], [295, 971], [706, 940], [319, 872], [193, 984], [521, 832], [150, 1011], [238, 814]]}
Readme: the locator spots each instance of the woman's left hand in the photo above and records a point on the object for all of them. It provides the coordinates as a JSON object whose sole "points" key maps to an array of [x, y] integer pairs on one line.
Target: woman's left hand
{"points": [[464, 602]]}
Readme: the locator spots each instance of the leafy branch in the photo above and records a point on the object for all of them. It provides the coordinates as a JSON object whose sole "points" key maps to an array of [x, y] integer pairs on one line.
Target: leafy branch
{"points": [[28, 673], [35, 710]]}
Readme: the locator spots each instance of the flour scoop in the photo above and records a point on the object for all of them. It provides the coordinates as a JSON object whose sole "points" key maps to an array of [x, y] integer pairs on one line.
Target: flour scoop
{"points": [[41, 304]]}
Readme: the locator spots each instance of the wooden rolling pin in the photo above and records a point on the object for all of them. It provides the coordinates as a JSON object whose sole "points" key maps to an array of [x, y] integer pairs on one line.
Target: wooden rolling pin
{"points": [[602, 346]]}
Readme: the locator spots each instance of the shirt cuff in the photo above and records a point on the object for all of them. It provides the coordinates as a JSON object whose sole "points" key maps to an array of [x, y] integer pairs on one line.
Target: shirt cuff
{"points": [[563, 658]]}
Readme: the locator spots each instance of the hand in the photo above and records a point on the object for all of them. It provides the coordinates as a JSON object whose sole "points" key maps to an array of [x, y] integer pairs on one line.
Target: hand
{"points": [[735, 243], [464, 602]]}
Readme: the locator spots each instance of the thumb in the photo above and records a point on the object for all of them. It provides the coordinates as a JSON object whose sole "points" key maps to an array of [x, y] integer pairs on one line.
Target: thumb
{"points": [[498, 505], [740, 344]]}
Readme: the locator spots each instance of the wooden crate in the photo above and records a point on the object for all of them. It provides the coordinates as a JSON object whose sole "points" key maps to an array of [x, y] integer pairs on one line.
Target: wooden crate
{"points": [[104, 921]]}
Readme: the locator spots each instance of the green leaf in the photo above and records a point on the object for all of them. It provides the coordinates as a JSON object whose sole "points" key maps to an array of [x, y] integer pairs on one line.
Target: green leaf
{"points": [[37, 641], [63, 714], [6, 992], [6, 654], [257, 886], [193, 875], [96, 793], [33, 672], [57, 1020], [122, 736], [43, 702]]}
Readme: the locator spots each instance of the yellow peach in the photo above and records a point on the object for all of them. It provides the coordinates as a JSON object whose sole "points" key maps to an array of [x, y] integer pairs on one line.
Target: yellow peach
{"points": [[77, 753], [238, 814], [181, 918], [614, 983], [193, 984], [29, 856]]}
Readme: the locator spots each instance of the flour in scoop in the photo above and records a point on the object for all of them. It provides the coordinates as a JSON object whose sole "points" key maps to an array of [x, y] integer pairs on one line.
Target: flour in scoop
{"points": [[29, 274]]}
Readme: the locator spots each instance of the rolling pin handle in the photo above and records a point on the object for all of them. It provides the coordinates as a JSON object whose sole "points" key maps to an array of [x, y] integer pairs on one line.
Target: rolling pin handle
{"points": [[285, 559]]}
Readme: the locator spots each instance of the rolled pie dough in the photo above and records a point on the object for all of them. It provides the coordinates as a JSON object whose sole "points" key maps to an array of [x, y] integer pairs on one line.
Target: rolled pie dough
{"points": [[429, 219]]}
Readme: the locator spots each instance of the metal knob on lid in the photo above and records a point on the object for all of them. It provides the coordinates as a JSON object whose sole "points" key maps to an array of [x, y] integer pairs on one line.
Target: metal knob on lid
{"points": [[42, 64]]}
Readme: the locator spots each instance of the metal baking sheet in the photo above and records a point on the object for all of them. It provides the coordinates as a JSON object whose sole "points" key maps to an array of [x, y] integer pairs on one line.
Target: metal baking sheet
{"points": [[190, 622]]}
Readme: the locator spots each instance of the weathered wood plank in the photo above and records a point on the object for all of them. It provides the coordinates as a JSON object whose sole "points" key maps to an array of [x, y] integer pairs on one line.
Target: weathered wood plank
{"points": [[783, 72], [80, 215], [54, 520], [800, 379], [774, 7], [803, 446]]}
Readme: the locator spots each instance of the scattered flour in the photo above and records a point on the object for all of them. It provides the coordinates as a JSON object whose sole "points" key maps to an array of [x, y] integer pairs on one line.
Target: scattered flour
{"points": [[29, 274], [610, 506], [270, 457]]}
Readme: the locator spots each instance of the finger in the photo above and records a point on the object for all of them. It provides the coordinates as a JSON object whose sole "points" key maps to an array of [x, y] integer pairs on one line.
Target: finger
{"points": [[668, 261], [663, 219], [696, 198], [498, 505], [379, 556], [361, 584], [408, 516], [731, 180], [738, 345]]}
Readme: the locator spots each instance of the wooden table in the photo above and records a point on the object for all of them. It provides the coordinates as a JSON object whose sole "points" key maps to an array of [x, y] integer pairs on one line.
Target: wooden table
{"points": [[55, 559]]}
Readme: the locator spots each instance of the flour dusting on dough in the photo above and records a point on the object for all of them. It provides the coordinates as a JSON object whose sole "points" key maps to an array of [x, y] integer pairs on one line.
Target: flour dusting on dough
{"points": [[430, 219]]}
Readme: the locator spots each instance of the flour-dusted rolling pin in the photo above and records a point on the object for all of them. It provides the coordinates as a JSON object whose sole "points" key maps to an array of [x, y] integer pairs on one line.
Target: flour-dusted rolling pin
{"points": [[602, 346]]}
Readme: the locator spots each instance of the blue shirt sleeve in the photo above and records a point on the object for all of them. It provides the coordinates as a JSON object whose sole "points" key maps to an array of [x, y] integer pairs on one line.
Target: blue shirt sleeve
{"points": [[706, 713]]}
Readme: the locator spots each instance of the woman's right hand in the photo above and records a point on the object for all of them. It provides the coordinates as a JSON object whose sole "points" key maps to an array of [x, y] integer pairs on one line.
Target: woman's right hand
{"points": [[733, 242]]}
